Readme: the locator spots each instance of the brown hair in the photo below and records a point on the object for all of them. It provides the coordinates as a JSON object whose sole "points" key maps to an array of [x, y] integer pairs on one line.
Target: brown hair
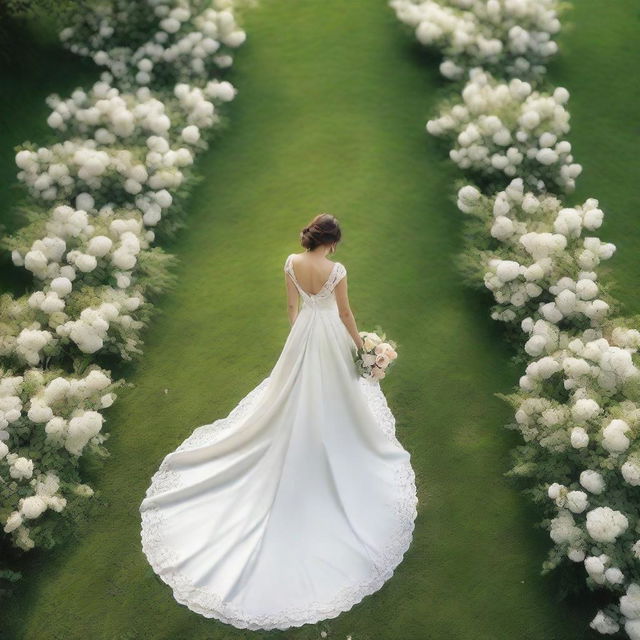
{"points": [[323, 229]]}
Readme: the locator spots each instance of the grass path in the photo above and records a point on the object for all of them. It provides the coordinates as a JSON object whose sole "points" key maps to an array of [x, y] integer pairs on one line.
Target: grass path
{"points": [[599, 51], [333, 96]]}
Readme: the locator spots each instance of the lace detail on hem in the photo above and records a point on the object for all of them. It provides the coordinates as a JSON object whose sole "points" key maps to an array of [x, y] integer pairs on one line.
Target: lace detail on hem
{"points": [[162, 559]]}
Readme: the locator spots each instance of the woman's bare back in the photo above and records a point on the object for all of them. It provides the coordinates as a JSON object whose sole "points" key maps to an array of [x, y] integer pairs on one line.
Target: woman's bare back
{"points": [[311, 272]]}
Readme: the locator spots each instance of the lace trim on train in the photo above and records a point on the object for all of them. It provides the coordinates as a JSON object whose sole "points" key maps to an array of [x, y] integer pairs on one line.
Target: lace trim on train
{"points": [[210, 605]]}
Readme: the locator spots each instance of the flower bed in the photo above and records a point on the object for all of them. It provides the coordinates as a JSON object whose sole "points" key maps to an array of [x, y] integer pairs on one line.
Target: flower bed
{"points": [[101, 200], [511, 37], [577, 405]]}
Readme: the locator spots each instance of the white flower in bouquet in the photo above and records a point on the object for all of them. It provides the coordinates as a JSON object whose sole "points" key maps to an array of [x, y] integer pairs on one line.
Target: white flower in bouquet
{"points": [[99, 246], [468, 197], [370, 339], [376, 356]]}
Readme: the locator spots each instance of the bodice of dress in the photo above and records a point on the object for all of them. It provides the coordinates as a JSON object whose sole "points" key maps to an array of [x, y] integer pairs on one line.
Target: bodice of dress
{"points": [[325, 298]]}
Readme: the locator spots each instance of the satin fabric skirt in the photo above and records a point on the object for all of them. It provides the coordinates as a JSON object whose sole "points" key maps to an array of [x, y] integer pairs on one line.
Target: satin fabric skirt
{"points": [[297, 504]]}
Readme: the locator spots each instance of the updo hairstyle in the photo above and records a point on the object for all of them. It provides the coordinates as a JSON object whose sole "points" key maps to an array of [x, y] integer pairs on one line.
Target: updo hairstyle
{"points": [[323, 229]]}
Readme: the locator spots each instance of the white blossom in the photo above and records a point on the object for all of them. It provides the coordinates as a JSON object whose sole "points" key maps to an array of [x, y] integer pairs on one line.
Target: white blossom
{"points": [[592, 481], [604, 624], [605, 524]]}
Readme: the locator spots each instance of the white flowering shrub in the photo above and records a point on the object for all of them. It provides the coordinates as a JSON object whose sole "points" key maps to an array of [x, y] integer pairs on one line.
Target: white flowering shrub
{"points": [[48, 419], [90, 319], [578, 411], [503, 130], [122, 148], [155, 41], [104, 195], [536, 256], [510, 37], [577, 404]]}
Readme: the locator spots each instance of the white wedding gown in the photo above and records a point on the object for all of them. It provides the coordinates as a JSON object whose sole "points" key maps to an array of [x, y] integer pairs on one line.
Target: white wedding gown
{"points": [[296, 505]]}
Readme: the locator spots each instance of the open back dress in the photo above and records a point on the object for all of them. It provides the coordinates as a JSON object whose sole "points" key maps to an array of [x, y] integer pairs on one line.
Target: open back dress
{"points": [[300, 502]]}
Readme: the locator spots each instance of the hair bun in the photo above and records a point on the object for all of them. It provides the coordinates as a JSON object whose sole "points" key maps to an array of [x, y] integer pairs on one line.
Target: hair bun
{"points": [[323, 229]]}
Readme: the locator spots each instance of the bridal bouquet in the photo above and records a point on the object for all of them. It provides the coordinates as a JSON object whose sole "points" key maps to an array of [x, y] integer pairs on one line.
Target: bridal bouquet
{"points": [[376, 356]]}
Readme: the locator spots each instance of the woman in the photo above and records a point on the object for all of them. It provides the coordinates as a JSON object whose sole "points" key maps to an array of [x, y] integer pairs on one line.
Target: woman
{"points": [[301, 501]]}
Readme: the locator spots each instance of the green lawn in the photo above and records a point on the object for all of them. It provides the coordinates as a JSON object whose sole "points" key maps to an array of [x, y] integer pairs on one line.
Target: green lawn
{"points": [[597, 64], [333, 97]]}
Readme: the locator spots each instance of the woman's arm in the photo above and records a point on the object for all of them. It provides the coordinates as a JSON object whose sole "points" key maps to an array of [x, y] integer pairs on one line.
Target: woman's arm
{"points": [[293, 298], [342, 299]]}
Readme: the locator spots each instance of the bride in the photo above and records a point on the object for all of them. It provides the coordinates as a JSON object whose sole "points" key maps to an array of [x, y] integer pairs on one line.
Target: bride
{"points": [[301, 501]]}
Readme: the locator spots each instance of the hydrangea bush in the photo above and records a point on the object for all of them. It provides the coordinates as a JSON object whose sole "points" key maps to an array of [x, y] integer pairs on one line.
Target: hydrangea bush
{"points": [[537, 256], [513, 38], [102, 196], [577, 404], [578, 411], [157, 41], [501, 130]]}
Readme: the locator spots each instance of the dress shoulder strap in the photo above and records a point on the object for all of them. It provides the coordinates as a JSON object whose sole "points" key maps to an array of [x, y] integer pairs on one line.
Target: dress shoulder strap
{"points": [[339, 272]]}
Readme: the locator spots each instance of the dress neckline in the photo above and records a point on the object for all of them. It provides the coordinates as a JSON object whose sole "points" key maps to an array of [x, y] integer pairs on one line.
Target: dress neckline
{"points": [[293, 274]]}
